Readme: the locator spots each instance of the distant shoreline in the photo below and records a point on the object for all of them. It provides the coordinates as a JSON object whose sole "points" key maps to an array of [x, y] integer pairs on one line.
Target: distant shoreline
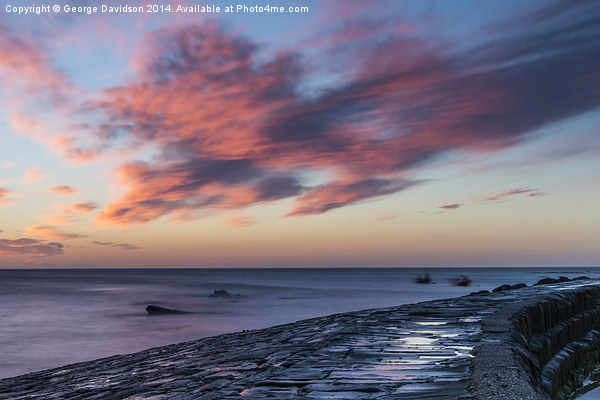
{"points": [[556, 269]]}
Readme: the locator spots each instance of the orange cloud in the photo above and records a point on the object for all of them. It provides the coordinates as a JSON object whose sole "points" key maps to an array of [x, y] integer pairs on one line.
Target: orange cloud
{"points": [[65, 215], [3, 195], [64, 190], [48, 231], [84, 207]]}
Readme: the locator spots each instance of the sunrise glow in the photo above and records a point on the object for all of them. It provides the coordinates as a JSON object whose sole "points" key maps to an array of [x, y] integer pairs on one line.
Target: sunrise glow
{"points": [[354, 133]]}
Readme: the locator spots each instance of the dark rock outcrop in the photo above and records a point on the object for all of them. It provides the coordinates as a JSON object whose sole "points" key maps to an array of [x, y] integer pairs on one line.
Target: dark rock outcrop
{"points": [[157, 310], [580, 278], [502, 288], [506, 286], [546, 281]]}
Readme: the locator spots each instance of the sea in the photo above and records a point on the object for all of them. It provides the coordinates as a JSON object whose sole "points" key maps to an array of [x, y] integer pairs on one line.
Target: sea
{"points": [[54, 317]]}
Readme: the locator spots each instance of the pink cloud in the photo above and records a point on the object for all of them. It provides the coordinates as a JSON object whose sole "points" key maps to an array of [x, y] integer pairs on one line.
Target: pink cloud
{"points": [[233, 128], [38, 95], [28, 70], [229, 126], [32, 175], [339, 194], [184, 187], [30, 247], [64, 190]]}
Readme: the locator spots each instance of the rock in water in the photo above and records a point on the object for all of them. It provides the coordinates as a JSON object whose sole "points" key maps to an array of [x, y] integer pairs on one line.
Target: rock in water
{"points": [[519, 285], [222, 293], [580, 278], [546, 281], [152, 310], [502, 288]]}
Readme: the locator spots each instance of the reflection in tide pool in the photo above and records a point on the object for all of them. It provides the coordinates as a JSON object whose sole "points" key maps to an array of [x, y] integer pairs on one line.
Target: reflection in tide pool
{"points": [[421, 360], [419, 341]]}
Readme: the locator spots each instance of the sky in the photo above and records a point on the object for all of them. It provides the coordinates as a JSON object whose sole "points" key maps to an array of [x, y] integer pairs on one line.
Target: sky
{"points": [[348, 133]]}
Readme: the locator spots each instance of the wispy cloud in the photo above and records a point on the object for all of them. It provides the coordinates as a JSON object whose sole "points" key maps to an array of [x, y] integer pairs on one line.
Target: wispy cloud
{"points": [[27, 68], [49, 231], [386, 216], [454, 206], [68, 214], [98, 243], [32, 175], [338, 194], [84, 207], [126, 246], [121, 246], [503, 194], [4, 193], [239, 221], [64, 190], [537, 194], [30, 247]]}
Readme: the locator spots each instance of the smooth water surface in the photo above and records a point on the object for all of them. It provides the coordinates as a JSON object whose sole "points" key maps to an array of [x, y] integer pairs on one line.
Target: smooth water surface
{"points": [[49, 318]]}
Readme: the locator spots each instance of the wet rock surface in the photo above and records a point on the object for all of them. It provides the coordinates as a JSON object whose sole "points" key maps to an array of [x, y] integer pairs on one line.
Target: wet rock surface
{"points": [[419, 351]]}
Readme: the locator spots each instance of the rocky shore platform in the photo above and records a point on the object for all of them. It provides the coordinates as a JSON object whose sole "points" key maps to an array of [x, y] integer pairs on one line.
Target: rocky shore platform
{"points": [[417, 351]]}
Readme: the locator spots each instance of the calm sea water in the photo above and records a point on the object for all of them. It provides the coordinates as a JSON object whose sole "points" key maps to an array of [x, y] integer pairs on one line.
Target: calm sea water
{"points": [[49, 318]]}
